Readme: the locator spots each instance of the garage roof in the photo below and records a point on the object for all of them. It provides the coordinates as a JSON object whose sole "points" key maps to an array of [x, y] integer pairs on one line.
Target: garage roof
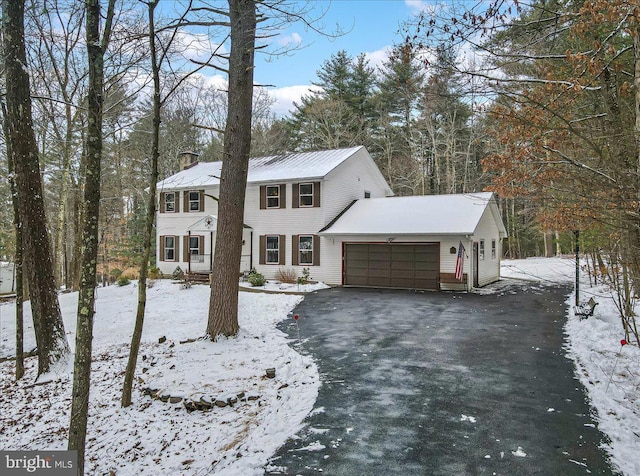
{"points": [[289, 166], [416, 215]]}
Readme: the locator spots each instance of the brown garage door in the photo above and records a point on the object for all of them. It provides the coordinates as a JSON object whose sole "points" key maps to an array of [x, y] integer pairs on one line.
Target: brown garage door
{"points": [[394, 265]]}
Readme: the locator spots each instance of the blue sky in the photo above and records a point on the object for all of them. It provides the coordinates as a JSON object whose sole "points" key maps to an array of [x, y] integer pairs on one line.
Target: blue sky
{"points": [[371, 26]]}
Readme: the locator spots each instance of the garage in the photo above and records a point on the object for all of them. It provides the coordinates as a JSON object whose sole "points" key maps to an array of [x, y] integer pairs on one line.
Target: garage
{"points": [[392, 265], [435, 242]]}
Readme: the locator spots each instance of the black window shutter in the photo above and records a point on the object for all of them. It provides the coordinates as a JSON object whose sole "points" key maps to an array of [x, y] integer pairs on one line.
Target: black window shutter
{"points": [[162, 202], [176, 206], [162, 248], [283, 195], [201, 193], [263, 197]]}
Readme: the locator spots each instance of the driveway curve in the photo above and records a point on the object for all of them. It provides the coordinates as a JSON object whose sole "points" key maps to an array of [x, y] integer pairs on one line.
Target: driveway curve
{"points": [[441, 384]]}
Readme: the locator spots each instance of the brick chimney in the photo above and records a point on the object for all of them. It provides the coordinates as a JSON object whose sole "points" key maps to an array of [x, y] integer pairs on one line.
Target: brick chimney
{"points": [[188, 159]]}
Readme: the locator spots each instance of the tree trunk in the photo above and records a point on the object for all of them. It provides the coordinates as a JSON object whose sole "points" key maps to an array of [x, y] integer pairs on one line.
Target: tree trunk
{"points": [[61, 233], [127, 387], [86, 297], [634, 252], [223, 305], [19, 300], [17, 260], [557, 242], [47, 319], [74, 249]]}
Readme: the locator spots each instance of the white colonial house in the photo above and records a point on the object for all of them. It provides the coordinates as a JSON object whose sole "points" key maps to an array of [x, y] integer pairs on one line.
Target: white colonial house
{"points": [[332, 212]]}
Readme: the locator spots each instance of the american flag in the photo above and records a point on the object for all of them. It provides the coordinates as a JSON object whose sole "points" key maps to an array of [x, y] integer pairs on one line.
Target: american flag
{"points": [[460, 262]]}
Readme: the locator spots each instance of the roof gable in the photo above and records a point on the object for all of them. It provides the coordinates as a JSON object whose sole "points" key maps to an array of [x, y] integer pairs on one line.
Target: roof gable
{"points": [[416, 215], [284, 167]]}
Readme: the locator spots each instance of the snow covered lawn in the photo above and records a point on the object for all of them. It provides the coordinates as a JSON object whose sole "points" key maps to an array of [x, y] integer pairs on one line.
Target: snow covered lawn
{"points": [[155, 437]]}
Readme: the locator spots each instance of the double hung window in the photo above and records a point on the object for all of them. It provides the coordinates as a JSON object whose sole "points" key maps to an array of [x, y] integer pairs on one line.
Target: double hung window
{"points": [[272, 249]]}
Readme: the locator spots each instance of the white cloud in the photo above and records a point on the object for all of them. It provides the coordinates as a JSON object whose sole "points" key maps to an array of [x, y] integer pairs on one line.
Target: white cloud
{"points": [[197, 46], [285, 97], [290, 41], [216, 81], [376, 58], [419, 6]]}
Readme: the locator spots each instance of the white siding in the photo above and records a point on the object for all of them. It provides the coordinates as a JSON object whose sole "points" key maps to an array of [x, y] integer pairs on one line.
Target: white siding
{"points": [[7, 280], [448, 261], [331, 272], [177, 224], [280, 221], [343, 185], [487, 230], [349, 181]]}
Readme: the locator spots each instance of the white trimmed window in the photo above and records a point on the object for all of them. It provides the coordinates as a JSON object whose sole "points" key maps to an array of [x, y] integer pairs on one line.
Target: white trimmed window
{"points": [[194, 201], [306, 195], [481, 251], [169, 202], [305, 250], [493, 249], [169, 248], [272, 249], [273, 196]]}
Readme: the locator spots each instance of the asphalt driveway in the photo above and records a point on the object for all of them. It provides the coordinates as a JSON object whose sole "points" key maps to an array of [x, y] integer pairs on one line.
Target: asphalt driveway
{"points": [[441, 384]]}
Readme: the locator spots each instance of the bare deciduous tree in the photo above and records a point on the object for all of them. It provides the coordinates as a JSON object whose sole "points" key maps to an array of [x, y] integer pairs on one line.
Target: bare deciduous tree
{"points": [[47, 319], [96, 48]]}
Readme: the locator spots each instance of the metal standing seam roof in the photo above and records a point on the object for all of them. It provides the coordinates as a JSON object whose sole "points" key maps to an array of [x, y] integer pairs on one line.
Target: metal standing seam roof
{"points": [[291, 166], [414, 215]]}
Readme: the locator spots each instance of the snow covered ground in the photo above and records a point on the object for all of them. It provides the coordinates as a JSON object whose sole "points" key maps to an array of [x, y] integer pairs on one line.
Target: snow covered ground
{"points": [[156, 437]]}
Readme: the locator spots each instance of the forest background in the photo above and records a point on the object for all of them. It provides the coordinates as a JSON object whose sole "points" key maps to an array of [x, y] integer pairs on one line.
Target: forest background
{"points": [[537, 101]]}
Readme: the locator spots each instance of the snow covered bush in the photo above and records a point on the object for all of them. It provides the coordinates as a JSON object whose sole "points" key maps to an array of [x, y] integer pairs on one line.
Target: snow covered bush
{"points": [[256, 279]]}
